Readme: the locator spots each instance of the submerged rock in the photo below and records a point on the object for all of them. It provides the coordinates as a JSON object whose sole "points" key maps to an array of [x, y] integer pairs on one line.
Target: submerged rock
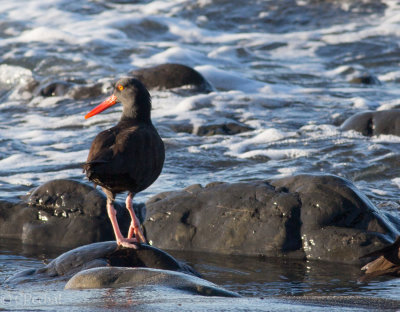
{"points": [[169, 76], [81, 92], [374, 123], [62, 213], [55, 88], [76, 89], [129, 277], [366, 79], [306, 216], [104, 264], [229, 128], [103, 254]]}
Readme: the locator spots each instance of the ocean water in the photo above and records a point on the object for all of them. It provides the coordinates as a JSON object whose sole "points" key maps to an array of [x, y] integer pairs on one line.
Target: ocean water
{"points": [[282, 68]]}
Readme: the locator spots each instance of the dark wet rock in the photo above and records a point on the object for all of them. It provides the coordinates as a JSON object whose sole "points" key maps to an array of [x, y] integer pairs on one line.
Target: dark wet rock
{"points": [[103, 254], [229, 128], [305, 216], [104, 264], [223, 218], [374, 123], [366, 79], [76, 89], [136, 277], [169, 76], [339, 223], [225, 129], [63, 213], [55, 88], [81, 92]]}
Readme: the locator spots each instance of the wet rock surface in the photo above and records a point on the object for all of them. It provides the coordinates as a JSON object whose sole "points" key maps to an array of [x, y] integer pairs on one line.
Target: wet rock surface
{"points": [[105, 265], [374, 123], [62, 213], [73, 88], [102, 254], [305, 216], [134, 277], [160, 77], [366, 79], [229, 128], [170, 76], [339, 223], [80, 92], [319, 217], [55, 88]]}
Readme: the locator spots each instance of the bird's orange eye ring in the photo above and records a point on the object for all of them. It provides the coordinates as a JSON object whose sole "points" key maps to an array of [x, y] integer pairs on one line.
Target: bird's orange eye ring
{"points": [[120, 87]]}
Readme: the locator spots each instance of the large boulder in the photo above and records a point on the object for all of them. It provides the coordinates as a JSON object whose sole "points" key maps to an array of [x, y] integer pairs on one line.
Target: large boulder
{"points": [[305, 216], [374, 123], [170, 76], [62, 213], [339, 223]]}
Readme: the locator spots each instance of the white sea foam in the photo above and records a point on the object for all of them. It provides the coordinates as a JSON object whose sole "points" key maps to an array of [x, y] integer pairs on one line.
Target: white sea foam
{"points": [[390, 104], [171, 55], [396, 181], [14, 75], [359, 102], [229, 81], [379, 192], [390, 76], [287, 171], [386, 138], [278, 153]]}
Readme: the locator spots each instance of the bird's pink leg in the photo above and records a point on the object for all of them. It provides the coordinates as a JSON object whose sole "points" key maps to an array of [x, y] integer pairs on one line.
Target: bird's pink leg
{"points": [[135, 224], [112, 214]]}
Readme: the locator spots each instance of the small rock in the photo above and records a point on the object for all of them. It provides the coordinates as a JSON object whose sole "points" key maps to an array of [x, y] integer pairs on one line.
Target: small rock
{"points": [[169, 76], [374, 123], [366, 79], [55, 88], [230, 128]]}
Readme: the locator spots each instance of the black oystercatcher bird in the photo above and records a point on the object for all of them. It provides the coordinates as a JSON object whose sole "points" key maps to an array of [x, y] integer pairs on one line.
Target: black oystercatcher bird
{"points": [[127, 157]]}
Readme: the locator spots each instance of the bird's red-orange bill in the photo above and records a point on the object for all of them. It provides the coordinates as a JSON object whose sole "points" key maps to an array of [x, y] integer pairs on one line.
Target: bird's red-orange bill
{"points": [[103, 106]]}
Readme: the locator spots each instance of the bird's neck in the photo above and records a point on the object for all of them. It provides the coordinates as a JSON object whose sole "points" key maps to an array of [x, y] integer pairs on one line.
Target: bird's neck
{"points": [[134, 119], [139, 109], [136, 114]]}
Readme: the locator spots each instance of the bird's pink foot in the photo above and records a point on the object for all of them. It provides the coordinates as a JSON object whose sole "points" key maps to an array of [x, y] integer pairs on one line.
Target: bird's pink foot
{"points": [[127, 243], [121, 241], [134, 228]]}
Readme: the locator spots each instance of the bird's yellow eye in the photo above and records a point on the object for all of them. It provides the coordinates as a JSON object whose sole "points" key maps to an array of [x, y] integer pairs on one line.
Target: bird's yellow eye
{"points": [[120, 87]]}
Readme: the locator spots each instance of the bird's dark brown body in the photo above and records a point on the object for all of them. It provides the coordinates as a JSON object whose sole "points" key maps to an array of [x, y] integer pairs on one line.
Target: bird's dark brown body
{"points": [[127, 157]]}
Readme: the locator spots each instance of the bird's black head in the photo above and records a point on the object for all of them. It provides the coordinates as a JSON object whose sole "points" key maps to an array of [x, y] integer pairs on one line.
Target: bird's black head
{"points": [[135, 98]]}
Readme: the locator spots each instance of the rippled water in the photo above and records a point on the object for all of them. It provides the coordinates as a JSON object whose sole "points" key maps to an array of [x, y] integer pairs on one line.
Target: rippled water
{"points": [[282, 68], [265, 284]]}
